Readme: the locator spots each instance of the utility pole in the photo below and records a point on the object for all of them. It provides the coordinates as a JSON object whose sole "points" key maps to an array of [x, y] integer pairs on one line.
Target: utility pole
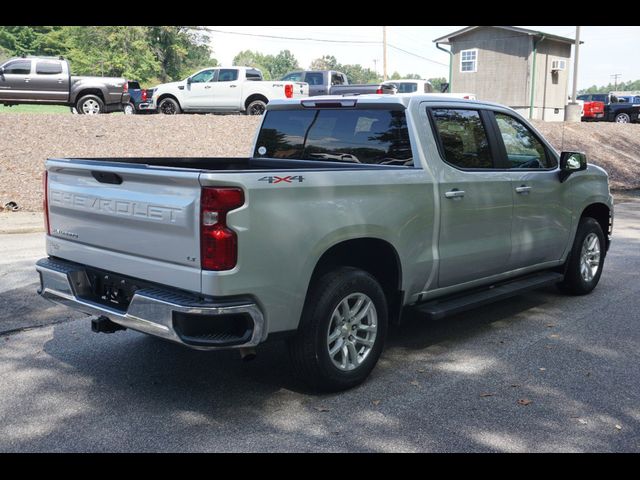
{"points": [[615, 79], [384, 53], [572, 110], [375, 66], [575, 67]]}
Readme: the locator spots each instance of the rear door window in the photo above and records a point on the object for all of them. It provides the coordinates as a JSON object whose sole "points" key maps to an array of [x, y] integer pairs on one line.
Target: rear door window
{"points": [[48, 68], [227, 75], [463, 138], [353, 136]]}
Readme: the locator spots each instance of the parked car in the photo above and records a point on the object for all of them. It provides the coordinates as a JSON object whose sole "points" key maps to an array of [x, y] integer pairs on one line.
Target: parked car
{"points": [[234, 89], [411, 86], [140, 99], [47, 80], [320, 81], [420, 87], [614, 110], [349, 210], [629, 98], [363, 89], [591, 111]]}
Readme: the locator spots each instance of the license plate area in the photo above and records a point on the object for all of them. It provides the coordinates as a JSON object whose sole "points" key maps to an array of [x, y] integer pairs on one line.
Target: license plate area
{"points": [[106, 288]]}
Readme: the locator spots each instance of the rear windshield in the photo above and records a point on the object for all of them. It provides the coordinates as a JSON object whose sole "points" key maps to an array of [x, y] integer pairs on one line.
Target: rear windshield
{"points": [[356, 136], [407, 87]]}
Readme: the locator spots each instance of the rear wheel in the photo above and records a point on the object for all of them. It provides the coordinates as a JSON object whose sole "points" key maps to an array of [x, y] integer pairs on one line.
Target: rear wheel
{"points": [[584, 265], [342, 331], [169, 106], [623, 118], [90, 105], [129, 109], [257, 107]]}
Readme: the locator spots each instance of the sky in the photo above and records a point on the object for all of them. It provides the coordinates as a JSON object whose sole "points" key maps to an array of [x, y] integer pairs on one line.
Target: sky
{"points": [[606, 50]]}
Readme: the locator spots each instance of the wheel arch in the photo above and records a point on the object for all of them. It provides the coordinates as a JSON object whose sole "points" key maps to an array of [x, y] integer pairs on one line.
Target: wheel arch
{"points": [[253, 97], [602, 214], [168, 95], [377, 257]]}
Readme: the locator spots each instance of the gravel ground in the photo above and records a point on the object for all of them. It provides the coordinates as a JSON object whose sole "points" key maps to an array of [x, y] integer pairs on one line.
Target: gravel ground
{"points": [[26, 141]]}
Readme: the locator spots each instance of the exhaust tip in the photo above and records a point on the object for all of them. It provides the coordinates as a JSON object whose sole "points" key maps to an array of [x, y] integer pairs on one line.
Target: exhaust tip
{"points": [[247, 354]]}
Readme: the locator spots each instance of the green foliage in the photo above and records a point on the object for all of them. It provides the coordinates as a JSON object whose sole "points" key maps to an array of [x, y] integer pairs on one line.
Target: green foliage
{"points": [[631, 85], [272, 66], [137, 52], [437, 83], [357, 74], [326, 62]]}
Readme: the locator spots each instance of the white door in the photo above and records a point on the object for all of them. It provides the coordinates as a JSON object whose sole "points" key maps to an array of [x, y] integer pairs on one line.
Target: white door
{"points": [[227, 90], [198, 92]]}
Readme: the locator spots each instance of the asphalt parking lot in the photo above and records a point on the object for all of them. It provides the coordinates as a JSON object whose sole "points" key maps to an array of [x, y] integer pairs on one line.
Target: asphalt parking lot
{"points": [[539, 372]]}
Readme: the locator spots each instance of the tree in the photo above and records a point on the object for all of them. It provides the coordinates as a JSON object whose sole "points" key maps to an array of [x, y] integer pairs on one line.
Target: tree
{"points": [[249, 58], [326, 62], [282, 64], [437, 83], [358, 74]]}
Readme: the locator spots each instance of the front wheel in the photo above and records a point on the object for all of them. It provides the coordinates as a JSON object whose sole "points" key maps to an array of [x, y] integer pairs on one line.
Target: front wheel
{"points": [[623, 118], [257, 107], [584, 265], [169, 106], [90, 105], [342, 331]]}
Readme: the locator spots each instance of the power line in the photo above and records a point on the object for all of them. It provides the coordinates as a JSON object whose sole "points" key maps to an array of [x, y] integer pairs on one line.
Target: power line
{"points": [[416, 55], [306, 39]]}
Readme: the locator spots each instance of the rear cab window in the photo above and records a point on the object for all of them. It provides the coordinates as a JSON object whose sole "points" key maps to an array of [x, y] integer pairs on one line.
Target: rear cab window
{"points": [[48, 68], [360, 136]]}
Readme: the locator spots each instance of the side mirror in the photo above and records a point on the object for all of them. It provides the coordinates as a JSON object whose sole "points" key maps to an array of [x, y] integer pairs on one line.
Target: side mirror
{"points": [[571, 162], [444, 87], [188, 80], [1, 70]]}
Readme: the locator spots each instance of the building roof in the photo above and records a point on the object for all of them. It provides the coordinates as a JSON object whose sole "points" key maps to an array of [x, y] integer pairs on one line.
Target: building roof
{"points": [[525, 31]]}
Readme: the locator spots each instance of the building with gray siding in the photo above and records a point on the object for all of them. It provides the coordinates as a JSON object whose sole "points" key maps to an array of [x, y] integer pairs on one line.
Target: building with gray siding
{"points": [[507, 64]]}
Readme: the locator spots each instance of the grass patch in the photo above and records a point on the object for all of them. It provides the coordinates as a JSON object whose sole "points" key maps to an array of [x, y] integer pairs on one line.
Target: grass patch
{"points": [[35, 109]]}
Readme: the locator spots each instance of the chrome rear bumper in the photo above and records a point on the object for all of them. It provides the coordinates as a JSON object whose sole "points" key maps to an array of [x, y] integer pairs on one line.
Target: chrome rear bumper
{"points": [[154, 311]]}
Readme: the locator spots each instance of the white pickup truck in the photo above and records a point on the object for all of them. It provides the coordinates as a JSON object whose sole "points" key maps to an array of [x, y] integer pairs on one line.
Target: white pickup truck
{"points": [[235, 89], [419, 87]]}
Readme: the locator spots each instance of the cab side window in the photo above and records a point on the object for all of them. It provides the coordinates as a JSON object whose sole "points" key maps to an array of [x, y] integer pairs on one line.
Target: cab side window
{"points": [[227, 75], [203, 77], [463, 138], [524, 149]]}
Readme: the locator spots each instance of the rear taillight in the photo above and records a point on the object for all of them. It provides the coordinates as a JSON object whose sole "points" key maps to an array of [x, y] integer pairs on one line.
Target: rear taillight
{"points": [[218, 243], [45, 201], [125, 88], [379, 90], [144, 95], [467, 97], [288, 91]]}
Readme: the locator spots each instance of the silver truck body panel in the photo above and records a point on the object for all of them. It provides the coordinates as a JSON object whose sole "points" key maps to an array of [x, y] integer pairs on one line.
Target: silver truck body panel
{"points": [[147, 227]]}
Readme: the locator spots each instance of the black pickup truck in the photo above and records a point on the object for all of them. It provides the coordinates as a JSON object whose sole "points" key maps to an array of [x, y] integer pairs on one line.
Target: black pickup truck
{"points": [[615, 109], [47, 80]]}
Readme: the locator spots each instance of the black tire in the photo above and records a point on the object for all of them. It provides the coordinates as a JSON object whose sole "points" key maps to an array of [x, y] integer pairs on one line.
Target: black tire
{"points": [[623, 118], [90, 105], [131, 110], [257, 107], [574, 282], [309, 348], [169, 106]]}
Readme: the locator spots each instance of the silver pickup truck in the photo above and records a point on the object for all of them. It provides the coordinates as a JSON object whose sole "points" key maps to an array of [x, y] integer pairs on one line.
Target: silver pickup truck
{"points": [[351, 210], [48, 80]]}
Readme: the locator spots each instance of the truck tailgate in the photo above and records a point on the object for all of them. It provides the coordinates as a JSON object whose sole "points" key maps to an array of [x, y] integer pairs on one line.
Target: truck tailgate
{"points": [[138, 220]]}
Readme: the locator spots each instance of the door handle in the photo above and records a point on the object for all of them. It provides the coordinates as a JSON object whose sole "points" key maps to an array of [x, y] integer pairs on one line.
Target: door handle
{"points": [[27, 79], [455, 193], [207, 87], [523, 189], [232, 86]]}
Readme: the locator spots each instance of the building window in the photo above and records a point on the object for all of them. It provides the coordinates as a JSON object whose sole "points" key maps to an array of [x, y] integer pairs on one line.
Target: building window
{"points": [[469, 60]]}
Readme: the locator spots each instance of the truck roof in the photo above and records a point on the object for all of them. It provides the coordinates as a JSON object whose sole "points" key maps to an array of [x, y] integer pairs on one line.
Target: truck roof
{"points": [[379, 99]]}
